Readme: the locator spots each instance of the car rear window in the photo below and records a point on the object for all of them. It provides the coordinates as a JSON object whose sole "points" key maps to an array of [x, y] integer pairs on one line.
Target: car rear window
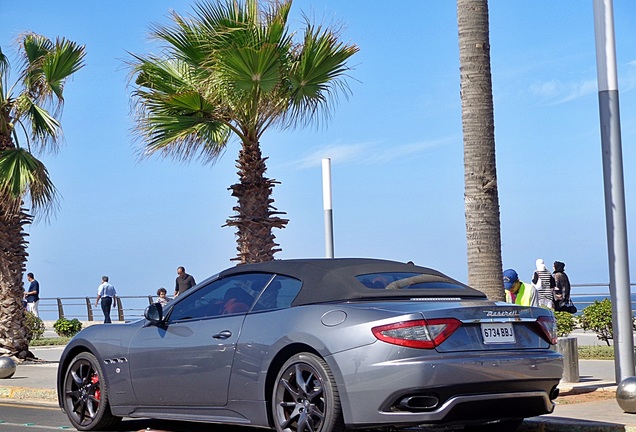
{"points": [[396, 280]]}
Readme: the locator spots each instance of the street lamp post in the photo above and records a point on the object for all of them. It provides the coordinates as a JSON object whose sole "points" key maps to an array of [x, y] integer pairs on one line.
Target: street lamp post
{"points": [[326, 200], [615, 215]]}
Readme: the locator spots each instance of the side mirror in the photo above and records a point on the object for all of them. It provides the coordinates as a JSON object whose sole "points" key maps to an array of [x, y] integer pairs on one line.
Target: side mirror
{"points": [[154, 314]]}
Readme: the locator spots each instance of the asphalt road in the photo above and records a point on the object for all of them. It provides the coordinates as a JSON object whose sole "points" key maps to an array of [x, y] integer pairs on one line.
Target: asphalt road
{"points": [[33, 418]]}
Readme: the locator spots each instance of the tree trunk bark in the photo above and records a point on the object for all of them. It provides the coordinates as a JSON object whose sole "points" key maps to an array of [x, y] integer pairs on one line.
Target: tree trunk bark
{"points": [[481, 199], [255, 216], [13, 256], [13, 332]]}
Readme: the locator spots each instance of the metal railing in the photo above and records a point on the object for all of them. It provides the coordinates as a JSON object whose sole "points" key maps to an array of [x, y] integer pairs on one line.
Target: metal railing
{"points": [[125, 308], [128, 308], [582, 300]]}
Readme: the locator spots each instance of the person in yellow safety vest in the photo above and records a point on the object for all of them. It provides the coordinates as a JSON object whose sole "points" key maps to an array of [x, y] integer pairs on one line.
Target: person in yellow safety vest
{"points": [[517, 292]]}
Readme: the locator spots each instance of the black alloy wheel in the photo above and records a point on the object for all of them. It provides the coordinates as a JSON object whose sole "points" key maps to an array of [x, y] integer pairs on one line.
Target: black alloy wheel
{"points": [[85, 397], [305, 397]]}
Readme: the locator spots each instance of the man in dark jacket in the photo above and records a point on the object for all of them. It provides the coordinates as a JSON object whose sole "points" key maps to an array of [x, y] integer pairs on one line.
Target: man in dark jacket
{"points": [[184, 281], [33, 295]]}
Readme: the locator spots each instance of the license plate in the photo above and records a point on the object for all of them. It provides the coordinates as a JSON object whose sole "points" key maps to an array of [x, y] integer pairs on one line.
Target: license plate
{"points": [[495, 333]]}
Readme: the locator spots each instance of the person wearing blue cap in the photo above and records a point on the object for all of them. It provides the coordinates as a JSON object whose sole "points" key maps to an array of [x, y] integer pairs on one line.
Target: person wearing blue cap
{"points": [[517, 292]]}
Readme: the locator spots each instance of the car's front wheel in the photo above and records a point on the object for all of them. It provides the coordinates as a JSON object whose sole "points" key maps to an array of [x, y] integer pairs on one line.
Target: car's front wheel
{"points": [[85, 395], [305, 397]]}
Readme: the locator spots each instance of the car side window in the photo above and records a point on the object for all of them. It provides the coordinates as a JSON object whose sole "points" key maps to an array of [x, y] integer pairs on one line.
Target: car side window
{"points": [[279, 294], [231, 295]]}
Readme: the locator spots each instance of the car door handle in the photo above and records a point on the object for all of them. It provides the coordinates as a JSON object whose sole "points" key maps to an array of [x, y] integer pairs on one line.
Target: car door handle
{"points": [[223, 335]]}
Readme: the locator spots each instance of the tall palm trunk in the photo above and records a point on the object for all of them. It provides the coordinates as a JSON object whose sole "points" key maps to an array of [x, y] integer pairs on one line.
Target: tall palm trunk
{"points": [[255, 216], [13, 332], [481, 198], [13, 244]]}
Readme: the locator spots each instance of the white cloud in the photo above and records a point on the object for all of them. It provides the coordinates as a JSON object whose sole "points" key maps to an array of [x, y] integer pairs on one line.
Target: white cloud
{"points": [[627, 77], [370, 153], [555, 92]]}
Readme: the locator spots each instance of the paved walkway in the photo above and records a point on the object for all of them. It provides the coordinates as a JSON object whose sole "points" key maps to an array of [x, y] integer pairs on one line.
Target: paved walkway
{"points": [[35, 382]]}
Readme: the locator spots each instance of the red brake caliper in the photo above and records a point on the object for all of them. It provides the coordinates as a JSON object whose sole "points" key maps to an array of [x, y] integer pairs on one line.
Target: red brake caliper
{"points": [[95, 380]]}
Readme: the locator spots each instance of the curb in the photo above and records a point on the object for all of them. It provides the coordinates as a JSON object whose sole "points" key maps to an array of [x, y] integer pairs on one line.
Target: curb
{"points": [[42, 396], [580, 389], [561, 424]]}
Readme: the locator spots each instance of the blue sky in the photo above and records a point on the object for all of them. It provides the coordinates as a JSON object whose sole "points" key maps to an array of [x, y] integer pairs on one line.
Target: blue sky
{"points": [[395, 145]]}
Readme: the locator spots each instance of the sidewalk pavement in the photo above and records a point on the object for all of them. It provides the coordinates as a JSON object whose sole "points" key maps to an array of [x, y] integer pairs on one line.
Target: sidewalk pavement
{"points": [[35, 382]]}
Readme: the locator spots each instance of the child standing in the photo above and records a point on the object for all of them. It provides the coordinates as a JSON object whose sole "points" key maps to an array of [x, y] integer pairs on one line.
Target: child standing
{"points": [[163, 298]]}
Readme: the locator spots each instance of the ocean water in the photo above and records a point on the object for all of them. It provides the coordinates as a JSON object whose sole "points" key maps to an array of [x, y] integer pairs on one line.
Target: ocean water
{"points": [[581, 301]]}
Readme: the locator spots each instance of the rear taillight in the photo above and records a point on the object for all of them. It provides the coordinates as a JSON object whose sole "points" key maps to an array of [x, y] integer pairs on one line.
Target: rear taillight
{"points": [[417, 334], [549, 327]]}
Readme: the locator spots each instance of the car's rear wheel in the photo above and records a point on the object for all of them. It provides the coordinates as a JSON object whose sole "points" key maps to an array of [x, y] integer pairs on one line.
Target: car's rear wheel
{"points": [[305, 397], [85, 396]]}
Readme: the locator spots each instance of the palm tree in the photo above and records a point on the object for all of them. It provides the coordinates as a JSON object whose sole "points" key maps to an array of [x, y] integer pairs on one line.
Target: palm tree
{"points": [[480, 171], [24, 180], [232, 70]]}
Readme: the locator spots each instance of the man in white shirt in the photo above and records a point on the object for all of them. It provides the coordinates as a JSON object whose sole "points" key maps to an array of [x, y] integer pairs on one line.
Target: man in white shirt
{"points": [[106, 292]]}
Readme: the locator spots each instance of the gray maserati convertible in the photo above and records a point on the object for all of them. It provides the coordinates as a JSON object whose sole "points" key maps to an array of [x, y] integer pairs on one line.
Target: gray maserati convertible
{"points": [[319, 345]]}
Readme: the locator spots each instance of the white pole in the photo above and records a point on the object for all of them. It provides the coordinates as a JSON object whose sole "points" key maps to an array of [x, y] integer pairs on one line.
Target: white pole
{"points": [[615, 214], [326, 203]]}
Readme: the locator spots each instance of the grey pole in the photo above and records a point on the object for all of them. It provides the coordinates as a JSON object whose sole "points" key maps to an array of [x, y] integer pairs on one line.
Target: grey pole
{"points": [[615, 215], [326, 201]]}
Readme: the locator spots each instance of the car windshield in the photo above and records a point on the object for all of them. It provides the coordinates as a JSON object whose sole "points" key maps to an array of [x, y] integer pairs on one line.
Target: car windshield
{"points": [[397, 280]]}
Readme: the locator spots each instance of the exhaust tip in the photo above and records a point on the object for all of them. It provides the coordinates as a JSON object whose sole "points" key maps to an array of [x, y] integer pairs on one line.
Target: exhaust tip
{"points": [[419, 402], [554, 393]]}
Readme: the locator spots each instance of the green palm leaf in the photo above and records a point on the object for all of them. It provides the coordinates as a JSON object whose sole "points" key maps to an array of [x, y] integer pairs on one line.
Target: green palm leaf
{"points": [[35, 47], [250, 69], [161, 75], [318, 71], [177, 124], [65, 59], [24, 176], [4, 66], [45, 128], [48, 64]]}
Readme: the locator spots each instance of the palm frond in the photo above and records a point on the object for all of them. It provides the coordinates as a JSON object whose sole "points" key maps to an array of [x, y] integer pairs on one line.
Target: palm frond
{"points": [[181, 125], [318, 73], [249, 69], [4, 66], [33, 49], [184, 137], [45, 129], [185, 41], [224, 15], [47, 65], [162, 75], [275, 29], [23, 177], [62, 61], [4, 93]]}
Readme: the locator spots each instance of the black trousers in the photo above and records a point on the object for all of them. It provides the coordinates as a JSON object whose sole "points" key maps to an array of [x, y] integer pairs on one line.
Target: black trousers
{"points": [[107, 303]]}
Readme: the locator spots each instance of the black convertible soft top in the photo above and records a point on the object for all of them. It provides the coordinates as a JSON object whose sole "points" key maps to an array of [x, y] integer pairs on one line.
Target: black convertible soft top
{"points": [[334, 279]]}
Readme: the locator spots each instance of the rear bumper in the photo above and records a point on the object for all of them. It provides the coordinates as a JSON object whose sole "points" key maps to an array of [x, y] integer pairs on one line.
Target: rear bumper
{"points": [[457, 388], [467, 409]]}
